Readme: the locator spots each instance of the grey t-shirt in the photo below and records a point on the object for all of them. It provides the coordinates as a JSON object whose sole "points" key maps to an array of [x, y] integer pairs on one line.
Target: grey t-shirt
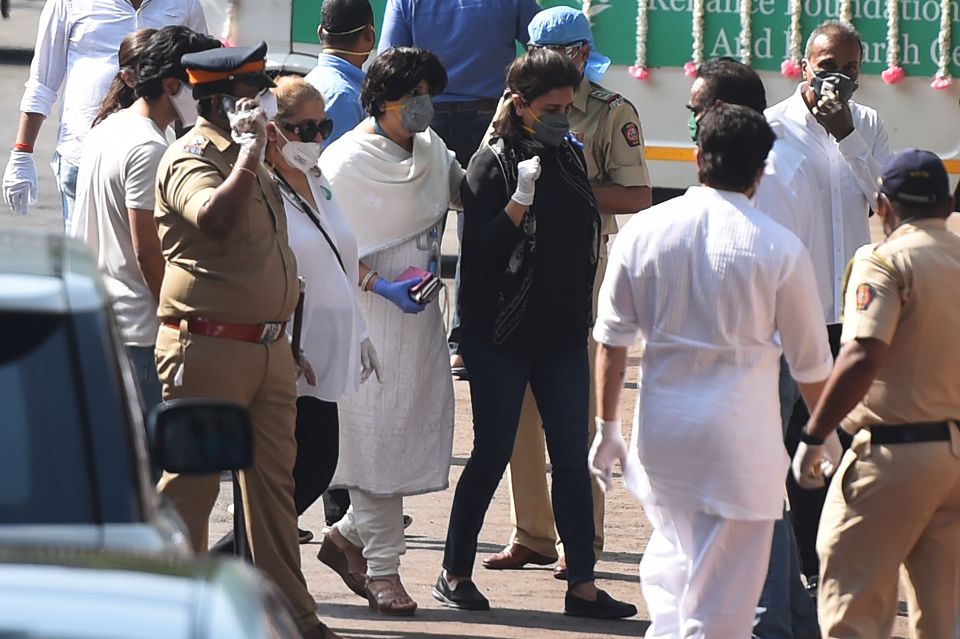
{"points": [[118, 171]]}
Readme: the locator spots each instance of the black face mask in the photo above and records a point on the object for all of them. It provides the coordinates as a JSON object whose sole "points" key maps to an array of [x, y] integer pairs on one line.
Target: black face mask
{"points": [[550, 129], [843, 85]]}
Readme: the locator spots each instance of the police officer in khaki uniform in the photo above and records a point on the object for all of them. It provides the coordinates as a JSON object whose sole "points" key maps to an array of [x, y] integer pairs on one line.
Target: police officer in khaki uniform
{"points": [[896, 498], [229, 287], [609, 128]]}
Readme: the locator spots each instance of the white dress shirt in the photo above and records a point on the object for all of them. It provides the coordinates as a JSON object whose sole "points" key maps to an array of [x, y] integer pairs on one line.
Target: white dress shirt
{"points": [[77, 46], [845, 177], [788, 194], [333, 324], [708, 281]]}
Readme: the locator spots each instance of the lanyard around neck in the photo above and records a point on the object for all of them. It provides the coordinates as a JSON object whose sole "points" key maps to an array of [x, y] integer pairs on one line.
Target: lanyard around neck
{"points": [[295, 199]]}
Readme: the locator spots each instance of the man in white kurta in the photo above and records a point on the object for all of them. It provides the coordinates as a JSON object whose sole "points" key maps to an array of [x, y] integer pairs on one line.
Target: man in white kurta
{"points": [[711, 286]]}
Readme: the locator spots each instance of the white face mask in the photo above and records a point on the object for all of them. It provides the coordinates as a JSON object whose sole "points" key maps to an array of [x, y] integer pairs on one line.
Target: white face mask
{"points": [[300, 155], [268, 102], [184, 104]]}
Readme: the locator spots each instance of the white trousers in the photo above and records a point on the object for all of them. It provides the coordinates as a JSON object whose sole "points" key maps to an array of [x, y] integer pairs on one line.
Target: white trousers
{"points": [[376, 525], [702, 575]]}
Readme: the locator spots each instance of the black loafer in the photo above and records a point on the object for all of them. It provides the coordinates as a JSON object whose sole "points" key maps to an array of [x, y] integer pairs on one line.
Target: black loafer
{"points": [[305, 536], [605, 607], [466, 596]]}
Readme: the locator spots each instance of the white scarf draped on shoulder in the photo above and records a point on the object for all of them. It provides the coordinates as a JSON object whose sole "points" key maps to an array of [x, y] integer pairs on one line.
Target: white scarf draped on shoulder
{"points": [[386, 195]]}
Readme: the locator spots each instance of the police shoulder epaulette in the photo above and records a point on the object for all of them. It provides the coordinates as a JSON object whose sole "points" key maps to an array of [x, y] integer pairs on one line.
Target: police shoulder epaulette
{"points": [[612, 98], [194, 144]]}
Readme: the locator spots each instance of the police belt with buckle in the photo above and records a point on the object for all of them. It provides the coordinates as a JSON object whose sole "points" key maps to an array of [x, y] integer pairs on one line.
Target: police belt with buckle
{"points": [[259, 333], [911, 433]]}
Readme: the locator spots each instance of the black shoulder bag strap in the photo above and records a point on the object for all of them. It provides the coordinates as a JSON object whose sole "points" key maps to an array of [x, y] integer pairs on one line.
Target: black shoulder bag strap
{"points": [[302, 204]]}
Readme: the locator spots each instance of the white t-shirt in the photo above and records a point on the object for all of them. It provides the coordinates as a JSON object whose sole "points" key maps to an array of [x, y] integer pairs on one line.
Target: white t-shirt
{"points": [[708, 281], [118, 171], [333, 324]]}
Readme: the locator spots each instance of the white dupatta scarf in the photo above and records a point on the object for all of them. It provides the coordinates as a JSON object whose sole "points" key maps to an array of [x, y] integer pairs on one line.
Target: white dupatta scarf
{"points": [[386, 195]]}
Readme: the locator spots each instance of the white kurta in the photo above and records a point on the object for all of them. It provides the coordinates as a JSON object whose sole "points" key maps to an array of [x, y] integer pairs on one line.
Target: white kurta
{"points": [[396, 438], [708, 282], [333, 324]]}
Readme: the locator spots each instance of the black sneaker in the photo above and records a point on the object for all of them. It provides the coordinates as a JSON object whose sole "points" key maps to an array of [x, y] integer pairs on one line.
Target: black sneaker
{"points": [[605, 607], [466, 596], [407, 521], [305, 536]]}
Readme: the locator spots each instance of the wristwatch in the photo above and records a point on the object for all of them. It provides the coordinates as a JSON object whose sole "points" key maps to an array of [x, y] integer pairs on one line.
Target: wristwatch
{"points": [[809, 439]]}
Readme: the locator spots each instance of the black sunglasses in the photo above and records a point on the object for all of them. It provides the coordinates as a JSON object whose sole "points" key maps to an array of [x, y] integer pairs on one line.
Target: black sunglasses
{"points": [[308, 129]]}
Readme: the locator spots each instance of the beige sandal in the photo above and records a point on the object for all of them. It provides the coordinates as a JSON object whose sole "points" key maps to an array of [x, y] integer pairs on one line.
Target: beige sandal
{"points": [[346, 560], [388, 596]]}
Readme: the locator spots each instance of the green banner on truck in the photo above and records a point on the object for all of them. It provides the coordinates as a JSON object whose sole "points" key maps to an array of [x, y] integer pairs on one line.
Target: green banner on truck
{"points": [[670, 39]]}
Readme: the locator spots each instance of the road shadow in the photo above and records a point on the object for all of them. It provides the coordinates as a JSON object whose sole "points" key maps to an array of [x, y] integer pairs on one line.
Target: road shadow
{"points": [[507, 617]]}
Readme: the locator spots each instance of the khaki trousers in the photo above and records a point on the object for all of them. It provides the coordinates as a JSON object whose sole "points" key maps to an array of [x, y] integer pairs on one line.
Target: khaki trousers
{"points": [[892, 509], [261, 378], [530, 508]]}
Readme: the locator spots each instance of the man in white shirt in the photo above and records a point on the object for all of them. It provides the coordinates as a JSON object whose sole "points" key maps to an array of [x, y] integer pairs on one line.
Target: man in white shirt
{"points": [[116, 190], [786, 193], [844, 144], [77, 44], [708, 282]]}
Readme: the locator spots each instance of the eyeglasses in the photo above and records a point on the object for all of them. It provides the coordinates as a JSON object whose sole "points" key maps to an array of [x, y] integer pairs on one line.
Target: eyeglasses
{"points": [[569, 50], [308, 129], [696, 111]]}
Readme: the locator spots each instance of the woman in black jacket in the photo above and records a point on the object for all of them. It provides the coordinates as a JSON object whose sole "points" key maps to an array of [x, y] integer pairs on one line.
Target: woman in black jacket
{"points": [[529, 255]]}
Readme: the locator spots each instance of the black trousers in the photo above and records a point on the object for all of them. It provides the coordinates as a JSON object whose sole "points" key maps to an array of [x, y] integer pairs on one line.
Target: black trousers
{"points": [[806, 505], [561, 385], [318, 448]]}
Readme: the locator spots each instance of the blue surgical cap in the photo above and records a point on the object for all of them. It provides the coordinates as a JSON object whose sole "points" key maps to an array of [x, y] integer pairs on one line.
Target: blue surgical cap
{"points": [[564, 25]]}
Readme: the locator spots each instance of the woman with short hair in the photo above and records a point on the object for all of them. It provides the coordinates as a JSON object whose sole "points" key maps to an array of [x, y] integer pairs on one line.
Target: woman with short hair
{"points": [[395, 180]]}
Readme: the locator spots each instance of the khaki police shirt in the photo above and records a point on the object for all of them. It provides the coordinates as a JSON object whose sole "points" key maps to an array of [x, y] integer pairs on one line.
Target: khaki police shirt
{"points": [[250, 276], [608, 126], [904, 291]]}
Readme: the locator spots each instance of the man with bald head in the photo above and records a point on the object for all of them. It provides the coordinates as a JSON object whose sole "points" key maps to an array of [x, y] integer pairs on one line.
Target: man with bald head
{"points": [[844, 144]]}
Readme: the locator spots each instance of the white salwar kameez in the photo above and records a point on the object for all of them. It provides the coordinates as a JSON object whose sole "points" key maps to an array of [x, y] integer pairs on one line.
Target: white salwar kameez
{"points": [[712, 286], [396, 438]]}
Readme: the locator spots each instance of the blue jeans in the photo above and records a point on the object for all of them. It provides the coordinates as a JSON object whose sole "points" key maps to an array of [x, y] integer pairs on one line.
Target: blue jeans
{"points": [[67, 183], [560, 383], [790, 612], [144, 365], [462, 130]]}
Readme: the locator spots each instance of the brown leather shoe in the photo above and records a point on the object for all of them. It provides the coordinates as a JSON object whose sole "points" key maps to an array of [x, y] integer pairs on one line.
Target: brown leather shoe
{"points": [[560, 570], [516, 556]]}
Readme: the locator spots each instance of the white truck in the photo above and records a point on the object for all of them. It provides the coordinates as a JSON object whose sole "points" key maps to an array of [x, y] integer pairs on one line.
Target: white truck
{"points": [[650, 44]]}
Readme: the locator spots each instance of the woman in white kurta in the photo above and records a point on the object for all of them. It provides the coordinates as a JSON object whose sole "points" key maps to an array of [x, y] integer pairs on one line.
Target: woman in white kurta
{"points": [[337, 354], [395, 180]]}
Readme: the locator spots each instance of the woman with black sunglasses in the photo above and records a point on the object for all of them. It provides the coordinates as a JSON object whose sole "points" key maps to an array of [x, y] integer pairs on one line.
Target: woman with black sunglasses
{"points": [[338, 354]]}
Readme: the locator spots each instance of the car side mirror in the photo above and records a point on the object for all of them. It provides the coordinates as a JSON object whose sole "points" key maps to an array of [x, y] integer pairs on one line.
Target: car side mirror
{"points": [[201, 436]]}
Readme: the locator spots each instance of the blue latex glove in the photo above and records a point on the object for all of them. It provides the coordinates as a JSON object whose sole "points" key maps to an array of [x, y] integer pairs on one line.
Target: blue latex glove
{"points": [[398, 293]]}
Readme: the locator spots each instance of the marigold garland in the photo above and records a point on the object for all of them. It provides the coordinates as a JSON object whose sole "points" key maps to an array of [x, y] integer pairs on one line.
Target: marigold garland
{"points": [[690, 68], [791, 66], [943, 79], [639, 68], [746, 38]]}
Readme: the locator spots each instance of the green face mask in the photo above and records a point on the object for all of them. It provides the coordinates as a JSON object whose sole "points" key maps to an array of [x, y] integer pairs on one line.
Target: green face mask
{"points": [[693, 125]]}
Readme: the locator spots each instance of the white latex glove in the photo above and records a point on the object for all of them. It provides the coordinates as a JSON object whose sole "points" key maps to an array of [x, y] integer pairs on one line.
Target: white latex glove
{"points": [[527, 173], [812, 464], [305, 370], [369, 361], [248, 127], [20, 182], [608, 447]]}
